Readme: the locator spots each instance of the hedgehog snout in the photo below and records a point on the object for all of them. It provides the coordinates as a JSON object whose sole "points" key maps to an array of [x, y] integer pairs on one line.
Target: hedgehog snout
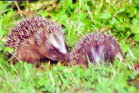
{"points": [[97, 58], [66, 56], [63, 57]]}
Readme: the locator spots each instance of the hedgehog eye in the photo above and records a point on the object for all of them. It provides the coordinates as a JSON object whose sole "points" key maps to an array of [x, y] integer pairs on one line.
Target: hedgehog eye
{"points": [[106, 55], [52, 49]]}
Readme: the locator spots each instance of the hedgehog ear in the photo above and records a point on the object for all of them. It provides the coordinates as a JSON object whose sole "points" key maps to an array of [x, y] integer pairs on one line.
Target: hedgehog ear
{"points": [[37, 39]]}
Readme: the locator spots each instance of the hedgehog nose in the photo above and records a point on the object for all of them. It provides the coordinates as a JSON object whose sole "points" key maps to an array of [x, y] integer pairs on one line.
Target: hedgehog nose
{"points": [[66, 56], [97, 59]]}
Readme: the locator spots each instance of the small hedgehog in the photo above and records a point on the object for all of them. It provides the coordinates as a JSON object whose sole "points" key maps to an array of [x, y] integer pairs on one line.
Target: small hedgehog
{"points": [[97, 47], [36, 38]]}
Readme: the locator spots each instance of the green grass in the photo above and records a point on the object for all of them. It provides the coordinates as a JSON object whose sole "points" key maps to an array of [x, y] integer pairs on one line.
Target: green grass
{"points": [[79, 18], [24, 78]]}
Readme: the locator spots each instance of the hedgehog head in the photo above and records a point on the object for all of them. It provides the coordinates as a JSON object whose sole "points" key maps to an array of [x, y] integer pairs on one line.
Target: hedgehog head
{"points": [[106, 51], [52, 45]]}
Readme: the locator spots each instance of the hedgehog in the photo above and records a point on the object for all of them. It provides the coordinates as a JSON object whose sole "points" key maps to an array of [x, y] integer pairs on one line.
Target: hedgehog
{"points": [[95, 47], [35, 38]]}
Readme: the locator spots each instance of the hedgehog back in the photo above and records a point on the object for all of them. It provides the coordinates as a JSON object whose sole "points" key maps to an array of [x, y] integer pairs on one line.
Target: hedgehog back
{"points": [[27, 28]]}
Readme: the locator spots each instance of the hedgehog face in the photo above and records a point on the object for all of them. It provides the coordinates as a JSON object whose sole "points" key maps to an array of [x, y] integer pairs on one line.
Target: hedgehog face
{"points": [[57, 49], [97, 54], [51, 46], [104, 53], [58, 42]]}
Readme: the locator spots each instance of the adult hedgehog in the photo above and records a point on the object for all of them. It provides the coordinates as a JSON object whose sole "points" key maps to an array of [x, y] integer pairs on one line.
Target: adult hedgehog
{"points": [[36, 38], [98, 47]]}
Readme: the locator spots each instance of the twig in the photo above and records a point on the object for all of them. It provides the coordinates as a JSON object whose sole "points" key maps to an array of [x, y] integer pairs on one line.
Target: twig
{"points": [[19, 10]]}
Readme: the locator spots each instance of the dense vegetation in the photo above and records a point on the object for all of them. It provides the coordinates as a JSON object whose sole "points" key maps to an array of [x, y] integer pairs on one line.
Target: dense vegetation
{"points": [[77, 17]]}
